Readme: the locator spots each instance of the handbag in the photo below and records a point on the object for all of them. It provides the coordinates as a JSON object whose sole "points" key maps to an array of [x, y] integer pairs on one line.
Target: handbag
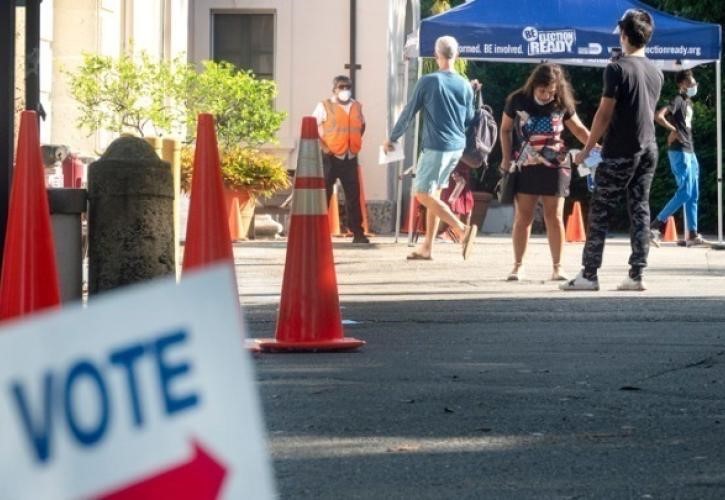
{"points": [[507, 185]]}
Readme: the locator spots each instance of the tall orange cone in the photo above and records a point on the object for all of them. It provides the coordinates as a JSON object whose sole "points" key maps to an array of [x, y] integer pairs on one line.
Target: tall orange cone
{"points": [[29, 275], [670, 230], [575, 225], [309, 309], [333, 211], [207, 230]]}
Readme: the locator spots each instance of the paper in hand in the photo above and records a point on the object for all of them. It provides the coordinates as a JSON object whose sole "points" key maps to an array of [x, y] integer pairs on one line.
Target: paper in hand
{"points": [[396, 154]]}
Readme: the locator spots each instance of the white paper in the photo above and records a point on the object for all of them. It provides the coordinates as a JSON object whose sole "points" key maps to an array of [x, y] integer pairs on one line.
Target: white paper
{"points": [[594, 158], [396, 154]]}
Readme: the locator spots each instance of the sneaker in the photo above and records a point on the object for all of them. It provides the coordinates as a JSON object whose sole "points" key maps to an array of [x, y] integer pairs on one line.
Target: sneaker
{"points": [[632, 285], [360, 239], [655, 237], [695, 241], [580, 283]]}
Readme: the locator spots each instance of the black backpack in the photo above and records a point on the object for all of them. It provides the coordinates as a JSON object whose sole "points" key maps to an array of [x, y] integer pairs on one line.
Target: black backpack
{"points": [[481, 135]]}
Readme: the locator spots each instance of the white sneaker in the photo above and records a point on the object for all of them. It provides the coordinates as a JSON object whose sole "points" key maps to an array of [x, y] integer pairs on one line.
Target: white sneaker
{"points": [[630, 285], [580, 283]]}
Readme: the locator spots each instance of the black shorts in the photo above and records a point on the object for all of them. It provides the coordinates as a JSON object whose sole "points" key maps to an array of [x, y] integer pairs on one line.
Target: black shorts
{"points": [[543, 180]]}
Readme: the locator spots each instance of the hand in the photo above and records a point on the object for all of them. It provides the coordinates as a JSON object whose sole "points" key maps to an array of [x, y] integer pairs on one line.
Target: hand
{"points": [[581, 156], [671, 137], [476, 85], [504, 167], [388, 146]]}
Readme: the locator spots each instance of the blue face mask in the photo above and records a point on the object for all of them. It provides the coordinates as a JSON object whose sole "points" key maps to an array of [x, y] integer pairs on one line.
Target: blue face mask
{"points": [[692, 91]]}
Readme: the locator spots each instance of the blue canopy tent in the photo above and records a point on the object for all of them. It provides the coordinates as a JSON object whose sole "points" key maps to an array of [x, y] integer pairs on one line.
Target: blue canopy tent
{"points": [[575, 32]]}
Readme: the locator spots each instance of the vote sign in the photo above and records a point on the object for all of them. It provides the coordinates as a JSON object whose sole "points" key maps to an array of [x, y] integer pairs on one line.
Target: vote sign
{"points": [[146, 394]]}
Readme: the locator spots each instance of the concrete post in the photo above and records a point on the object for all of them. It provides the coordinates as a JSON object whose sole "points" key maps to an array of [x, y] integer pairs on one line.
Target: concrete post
{"points": [[130, 216]]}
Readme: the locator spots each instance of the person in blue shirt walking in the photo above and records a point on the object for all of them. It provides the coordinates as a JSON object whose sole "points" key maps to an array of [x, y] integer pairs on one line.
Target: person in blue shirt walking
{"points": [[677, 118], [446, 101]]}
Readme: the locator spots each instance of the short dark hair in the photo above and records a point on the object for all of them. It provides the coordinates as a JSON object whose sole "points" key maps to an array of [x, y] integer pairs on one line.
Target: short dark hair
{"points": [[684, 76], [637, 25], [341, 79]]}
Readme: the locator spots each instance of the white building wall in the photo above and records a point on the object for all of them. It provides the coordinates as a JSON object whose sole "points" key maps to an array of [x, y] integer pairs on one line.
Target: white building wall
{"points": [[311, 47]]}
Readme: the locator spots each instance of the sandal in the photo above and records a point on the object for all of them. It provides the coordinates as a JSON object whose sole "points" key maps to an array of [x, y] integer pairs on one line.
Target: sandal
{"points": [[557, 275], [469, 236], [418, 256], [517, 274]]}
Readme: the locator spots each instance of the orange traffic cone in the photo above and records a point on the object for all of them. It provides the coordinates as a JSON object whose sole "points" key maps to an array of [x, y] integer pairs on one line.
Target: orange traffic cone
{"points": [[363, 203], [575, 225], [29, 275], [670, 230], [334, 213], [207, 230], [413, 219], [309, 308]]}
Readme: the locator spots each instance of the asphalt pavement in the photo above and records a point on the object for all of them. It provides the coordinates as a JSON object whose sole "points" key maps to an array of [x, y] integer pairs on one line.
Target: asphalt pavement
{"points": [[473, 387]]}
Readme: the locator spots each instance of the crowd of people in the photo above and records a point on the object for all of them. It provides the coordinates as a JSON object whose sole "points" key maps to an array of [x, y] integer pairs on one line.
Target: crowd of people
{"points": [[534, 117]]}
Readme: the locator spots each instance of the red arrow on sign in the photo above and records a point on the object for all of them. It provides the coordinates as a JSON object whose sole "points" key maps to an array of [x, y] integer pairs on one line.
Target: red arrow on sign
{"points": [[199, 479]]}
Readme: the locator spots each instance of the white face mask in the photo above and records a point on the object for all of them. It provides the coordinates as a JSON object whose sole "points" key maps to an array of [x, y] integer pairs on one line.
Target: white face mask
{"points": [[344, 95], [542, 103], [692, 91]]}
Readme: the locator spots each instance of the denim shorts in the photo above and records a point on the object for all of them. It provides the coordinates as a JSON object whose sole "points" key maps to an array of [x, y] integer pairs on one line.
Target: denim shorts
{"points": [[434, 169]]}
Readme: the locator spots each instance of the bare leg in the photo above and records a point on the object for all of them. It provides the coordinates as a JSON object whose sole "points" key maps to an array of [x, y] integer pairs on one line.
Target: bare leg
{"points": [[554, 219], [436, 210], [523, 218]]}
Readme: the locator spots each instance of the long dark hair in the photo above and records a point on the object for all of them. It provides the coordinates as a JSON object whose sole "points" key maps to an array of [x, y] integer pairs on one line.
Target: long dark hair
{"points": [[546, 74]]}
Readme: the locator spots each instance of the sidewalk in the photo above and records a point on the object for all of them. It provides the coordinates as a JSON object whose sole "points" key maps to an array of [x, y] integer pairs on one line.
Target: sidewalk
{"points": [[381, 270]]}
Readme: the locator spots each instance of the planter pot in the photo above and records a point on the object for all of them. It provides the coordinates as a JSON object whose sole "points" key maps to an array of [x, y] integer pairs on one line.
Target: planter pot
{"points": [[481, 201], [240, 209]]}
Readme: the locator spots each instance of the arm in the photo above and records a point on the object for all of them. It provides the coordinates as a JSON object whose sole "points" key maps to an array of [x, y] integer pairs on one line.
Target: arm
{"points": [[406, 117], [505, 135], [661, 118], [602, 119], [576, 127]]}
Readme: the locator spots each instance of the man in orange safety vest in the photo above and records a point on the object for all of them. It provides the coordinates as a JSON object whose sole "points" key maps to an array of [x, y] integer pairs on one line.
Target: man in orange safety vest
{"points": [[341, 126]]}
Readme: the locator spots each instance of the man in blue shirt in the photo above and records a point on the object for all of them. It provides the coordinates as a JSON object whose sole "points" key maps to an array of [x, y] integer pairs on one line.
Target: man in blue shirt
{"points": [[446, 100]]}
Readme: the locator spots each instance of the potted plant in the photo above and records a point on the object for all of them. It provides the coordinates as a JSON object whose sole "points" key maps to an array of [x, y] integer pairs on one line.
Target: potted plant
{"points": [[247, 173]]}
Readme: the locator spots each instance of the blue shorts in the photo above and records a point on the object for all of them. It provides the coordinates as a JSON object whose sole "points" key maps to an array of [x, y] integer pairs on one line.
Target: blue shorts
{"points": [[434, 169]]}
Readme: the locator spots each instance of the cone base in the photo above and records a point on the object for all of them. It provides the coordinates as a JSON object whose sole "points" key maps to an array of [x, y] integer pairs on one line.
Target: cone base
{"points": [[251, 346], [343, 344]]}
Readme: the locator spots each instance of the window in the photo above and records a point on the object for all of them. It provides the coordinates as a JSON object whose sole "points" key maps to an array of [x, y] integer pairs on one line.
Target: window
{"points": [[245, 40]]}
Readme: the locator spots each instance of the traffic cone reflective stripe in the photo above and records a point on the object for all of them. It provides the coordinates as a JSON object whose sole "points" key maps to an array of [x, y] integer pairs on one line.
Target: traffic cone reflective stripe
{"points": [[670, 230], [575, 225], [29, 279], [309, 310]]}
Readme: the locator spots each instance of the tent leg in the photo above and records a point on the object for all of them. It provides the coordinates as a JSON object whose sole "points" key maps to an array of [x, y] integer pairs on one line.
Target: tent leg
{"points": [[718, 92], [414, 167]]}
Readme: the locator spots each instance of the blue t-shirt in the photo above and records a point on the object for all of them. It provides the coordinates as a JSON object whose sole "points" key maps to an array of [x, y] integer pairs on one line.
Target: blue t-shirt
{"points": [[446, 99]]}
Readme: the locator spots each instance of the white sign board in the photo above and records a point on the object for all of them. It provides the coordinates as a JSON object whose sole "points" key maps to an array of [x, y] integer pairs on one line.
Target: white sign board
{"points": [[147, 393]]}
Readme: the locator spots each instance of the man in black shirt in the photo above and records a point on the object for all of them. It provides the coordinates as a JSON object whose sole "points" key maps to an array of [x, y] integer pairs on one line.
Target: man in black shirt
{"points": [[683, 161], [625, 118]]}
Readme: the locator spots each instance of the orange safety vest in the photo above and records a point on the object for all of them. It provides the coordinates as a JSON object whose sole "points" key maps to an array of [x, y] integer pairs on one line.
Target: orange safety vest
{"points": [[341, 131]]}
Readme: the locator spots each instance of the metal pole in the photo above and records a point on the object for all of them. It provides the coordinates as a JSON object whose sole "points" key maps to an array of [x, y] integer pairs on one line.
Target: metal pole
{"points": [[718, 76], [7, 111], [32, 55], [401, 164], [414, 166]]}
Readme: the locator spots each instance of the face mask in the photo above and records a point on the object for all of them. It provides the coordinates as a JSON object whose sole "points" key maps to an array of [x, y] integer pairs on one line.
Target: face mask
{"points": [[344, 95], [542, 103], [692, 91]]}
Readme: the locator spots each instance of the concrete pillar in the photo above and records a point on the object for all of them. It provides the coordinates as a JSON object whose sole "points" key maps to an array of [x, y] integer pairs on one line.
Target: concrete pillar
{"points": [[130, 216]]}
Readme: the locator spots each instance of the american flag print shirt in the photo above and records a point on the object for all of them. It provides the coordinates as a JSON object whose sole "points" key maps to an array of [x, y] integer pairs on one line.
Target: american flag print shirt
{"points": [[543, 132]]}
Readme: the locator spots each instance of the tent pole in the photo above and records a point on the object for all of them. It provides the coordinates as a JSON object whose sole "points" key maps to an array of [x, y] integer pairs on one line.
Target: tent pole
{"points": [[414, 165], [718, 77], [401, 163]]}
